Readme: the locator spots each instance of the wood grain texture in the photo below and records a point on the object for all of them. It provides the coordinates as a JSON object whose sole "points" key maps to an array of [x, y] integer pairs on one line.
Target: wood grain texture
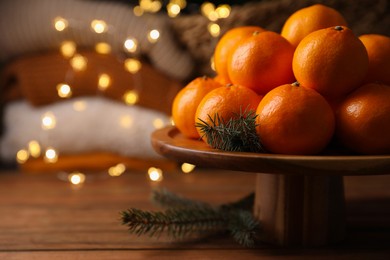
{"points": [[42, 217], [171, 143]]}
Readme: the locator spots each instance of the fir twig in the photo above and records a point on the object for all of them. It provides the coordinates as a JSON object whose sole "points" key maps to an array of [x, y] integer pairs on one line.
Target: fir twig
{"points": [[238, 134], [185, 217], [178, 223]]}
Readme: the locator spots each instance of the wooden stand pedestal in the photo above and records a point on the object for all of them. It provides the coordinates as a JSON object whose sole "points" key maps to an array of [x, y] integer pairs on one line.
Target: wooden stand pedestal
{"points": [[300, 210]]}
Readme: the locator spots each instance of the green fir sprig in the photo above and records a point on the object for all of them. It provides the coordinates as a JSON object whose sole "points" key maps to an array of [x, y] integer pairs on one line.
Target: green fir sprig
{"points": [[238, 134], [184, 217]]}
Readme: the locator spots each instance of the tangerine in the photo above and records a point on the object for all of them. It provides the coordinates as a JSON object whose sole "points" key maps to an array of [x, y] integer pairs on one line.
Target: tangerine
{"points": [[308, 20], [332, 61], [293, 119], [225, 44], [378, 49], [363, 120], [186, 102], [227, 103], [261, 62]]}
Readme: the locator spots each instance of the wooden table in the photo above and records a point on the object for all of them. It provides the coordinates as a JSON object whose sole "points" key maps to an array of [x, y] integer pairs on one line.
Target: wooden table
{"points": [[42, 217]]}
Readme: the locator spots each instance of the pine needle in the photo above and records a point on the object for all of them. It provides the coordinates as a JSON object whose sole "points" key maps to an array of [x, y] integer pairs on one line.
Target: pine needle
{"points": [[236, 135]]}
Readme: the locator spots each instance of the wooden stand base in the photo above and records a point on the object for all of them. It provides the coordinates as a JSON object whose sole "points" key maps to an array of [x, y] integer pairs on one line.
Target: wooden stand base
{"points": [[300, 210]]}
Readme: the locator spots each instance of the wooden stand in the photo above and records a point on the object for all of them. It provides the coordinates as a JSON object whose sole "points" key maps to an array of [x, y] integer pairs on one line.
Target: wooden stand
{"points": [[299, 199], [300, 210]]}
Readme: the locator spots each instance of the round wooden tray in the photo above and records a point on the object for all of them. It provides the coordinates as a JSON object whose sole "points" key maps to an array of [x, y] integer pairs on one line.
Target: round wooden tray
{"points": [[299, 199], [171, 143]]}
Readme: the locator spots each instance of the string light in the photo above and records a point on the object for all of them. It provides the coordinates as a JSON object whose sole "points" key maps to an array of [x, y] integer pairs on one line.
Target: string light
{"points": [[48, 121], [60, 24], [155, 174], [132, 65], [173, 10], [99, 26], [76, 178], [131, 45], [138, 11], [153, 36], [130, 97], [68, 49], [117, 170], [79, 62], [187, 167], [79, 105], [126, 121], [22, 156], [103, 48], [104, 81], [51, 155], [34, 149], [64, 90], [214, 29], [212, 63], [151, 6], [158, 123], [223, 11]]}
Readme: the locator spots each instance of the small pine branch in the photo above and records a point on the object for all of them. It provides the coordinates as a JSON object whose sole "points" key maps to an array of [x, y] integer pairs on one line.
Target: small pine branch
{"points": [[186, 217], [178, 223], [244, 228], [236, 135]]}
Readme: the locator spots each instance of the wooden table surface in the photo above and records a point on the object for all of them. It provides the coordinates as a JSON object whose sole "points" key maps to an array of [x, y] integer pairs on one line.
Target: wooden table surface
{"points": [[42, 217]]}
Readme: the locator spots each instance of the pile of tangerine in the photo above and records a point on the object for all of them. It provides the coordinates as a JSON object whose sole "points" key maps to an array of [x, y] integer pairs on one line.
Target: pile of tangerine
{"points": [[312, 83]]}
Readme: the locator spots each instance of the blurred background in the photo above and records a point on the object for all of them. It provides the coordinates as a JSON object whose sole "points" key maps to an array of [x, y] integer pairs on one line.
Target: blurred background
{"points": [[84, 83]]}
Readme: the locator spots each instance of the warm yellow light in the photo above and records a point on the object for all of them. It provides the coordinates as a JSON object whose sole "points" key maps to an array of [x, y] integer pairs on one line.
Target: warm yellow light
{"points": [[34, 148], [214, 29], [48, 121], [173, 10], [103, 48], [60, 24], [64, 90], [22, 156], [132, 65], [153, 36], [138, 11], [187, 167], [117, 170], [104, 81], [155, 174], [213, 16], [206, 8], [76, 178], [99, 26], [51, 155], [172, 121], [68, 49], [151, 6], [131, 45], [223, 11], [126, 121], [181, 3], [158, 123], [79, 62], [130, 97], [79, 105]]}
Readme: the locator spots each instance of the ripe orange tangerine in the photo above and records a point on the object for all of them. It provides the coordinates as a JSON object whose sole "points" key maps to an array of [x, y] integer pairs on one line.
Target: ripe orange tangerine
{"points": [[293, 119], [363, 120], [226, 43], [378, 49], [186, 102], [332, 61], [227, 102], [261, 62], [308, 20]]}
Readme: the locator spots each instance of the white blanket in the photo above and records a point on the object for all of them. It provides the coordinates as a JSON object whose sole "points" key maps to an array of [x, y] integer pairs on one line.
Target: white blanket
{"points": [[104, 125]]}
